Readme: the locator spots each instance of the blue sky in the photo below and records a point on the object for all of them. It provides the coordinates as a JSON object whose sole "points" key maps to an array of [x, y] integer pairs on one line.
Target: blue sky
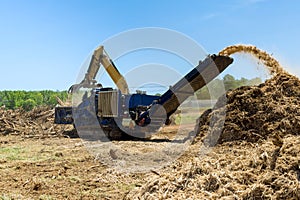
{"points": [[44, 43]]}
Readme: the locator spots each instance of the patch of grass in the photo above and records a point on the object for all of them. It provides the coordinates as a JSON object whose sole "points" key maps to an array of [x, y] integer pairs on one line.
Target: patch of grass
{"points": [[126, 187], [24, 153], [11, 153], [189, 115], [4, 197], [74, 179], [10, 196], [186, 119], [45, 197]]}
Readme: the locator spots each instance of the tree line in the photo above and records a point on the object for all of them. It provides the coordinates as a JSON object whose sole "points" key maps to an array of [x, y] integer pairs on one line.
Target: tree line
{"points": [[216, 87], [30, 99]]}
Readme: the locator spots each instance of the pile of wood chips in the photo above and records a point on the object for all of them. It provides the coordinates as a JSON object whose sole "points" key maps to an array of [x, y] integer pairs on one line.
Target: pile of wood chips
{"points": [[37, 123]]}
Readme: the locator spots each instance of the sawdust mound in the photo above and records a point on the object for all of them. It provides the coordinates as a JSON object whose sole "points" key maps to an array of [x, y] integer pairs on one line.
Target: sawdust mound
{"points": [[37, 123], [254, 113]]}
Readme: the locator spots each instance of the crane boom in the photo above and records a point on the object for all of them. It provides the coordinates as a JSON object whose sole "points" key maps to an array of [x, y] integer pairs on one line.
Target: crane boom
{"points": [[100, 57]]}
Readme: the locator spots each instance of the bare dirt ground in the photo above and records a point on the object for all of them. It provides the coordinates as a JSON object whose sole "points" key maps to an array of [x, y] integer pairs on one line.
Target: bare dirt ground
{"points": [[62, 168], [255, 156], [57, 168]]}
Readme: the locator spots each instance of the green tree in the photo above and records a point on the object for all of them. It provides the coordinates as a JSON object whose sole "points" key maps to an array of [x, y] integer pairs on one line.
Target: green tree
{"points": [[28, 99], [255, 81], [217, 87], [9, 100], [28, 104], [229, 82], [37, 96], [203, 93]]}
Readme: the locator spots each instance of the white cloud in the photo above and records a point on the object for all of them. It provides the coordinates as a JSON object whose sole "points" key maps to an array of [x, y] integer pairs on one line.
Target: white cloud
{"points": [[210, 16]]}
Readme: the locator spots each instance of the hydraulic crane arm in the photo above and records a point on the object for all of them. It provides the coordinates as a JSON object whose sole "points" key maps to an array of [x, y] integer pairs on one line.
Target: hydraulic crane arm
{"points": [[100, 57]]}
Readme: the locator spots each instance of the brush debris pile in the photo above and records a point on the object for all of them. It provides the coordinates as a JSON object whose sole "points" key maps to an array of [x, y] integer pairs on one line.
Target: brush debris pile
{"points": [[37, 123]]}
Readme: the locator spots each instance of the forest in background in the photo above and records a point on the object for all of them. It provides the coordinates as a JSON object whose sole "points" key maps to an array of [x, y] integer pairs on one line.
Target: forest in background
{"points": [[30, 99], [216, 87]]}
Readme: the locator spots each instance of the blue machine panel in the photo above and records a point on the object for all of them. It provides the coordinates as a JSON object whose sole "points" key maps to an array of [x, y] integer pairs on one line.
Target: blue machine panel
{"points": [[141, 100]]}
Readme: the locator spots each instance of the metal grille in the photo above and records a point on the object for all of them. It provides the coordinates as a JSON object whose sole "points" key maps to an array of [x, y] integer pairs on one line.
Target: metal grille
{"points": [[108, 104]]}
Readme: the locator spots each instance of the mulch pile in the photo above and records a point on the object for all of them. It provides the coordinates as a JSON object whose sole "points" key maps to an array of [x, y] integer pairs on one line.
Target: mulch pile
{"points": [[254, 113]]}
